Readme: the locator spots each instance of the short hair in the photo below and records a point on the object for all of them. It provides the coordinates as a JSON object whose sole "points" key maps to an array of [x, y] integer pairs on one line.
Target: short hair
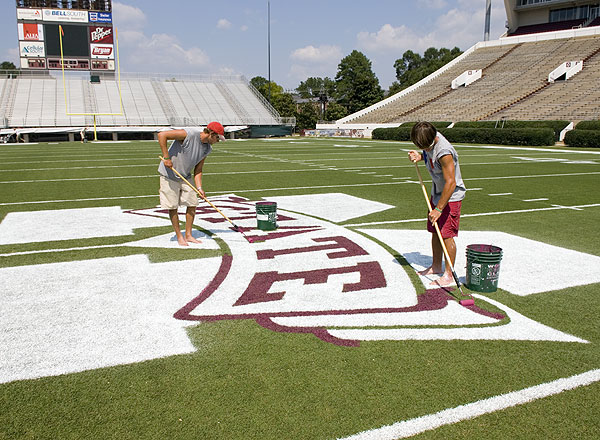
{"points": [[423, 134]]}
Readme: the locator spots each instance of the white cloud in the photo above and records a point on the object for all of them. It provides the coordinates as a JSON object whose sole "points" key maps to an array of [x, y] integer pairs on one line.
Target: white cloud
{"points": [[244, 28], [223, 23], [455, 27], [321, 54], [161, 50], [127, 16], [311, 61], [154, 53], [390, 38], [230, 71]]}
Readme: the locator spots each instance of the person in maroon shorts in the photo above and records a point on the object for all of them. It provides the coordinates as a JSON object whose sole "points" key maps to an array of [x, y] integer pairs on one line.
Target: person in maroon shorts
{"points": [[447, 192]]}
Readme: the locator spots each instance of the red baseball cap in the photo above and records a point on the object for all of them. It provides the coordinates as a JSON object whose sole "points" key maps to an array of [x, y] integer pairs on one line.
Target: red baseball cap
{"points": [[217, 128]]}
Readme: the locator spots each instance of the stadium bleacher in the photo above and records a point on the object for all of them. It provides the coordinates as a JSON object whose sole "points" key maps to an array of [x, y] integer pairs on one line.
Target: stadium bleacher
{"points": [[144, 101], [514, 85]]}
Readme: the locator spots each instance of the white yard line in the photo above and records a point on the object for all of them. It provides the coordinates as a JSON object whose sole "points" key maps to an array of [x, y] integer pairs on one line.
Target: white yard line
{"points": [[80, 200], [301, 170], [411, 427], [516, 211]]}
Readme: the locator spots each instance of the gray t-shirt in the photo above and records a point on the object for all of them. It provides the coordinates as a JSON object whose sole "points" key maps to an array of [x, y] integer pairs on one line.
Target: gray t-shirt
{"points": [[443, 148], [185, 155]]}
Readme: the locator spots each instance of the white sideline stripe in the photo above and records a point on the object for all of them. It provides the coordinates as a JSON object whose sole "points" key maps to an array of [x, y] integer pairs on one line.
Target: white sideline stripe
{"points": [[79, 179], [500, 147], [500, 194], [308, 162], [409, 428], [543, 199], [304, 170], [78, 200], [516, 211]]}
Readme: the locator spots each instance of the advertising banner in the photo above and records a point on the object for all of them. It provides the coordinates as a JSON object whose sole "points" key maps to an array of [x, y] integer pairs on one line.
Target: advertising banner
{"points": [[31, 32], [29, 14], [100, 17], [70, 15], [104, 51], [101, 35], [31, 49]]}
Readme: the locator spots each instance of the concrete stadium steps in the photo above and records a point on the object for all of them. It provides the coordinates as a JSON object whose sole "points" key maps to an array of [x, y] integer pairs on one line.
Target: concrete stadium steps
{"points": [[40, 102], [514, 85]]}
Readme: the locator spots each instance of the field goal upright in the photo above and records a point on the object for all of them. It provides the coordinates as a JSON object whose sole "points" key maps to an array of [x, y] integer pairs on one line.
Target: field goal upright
{"points": [[61, 35]]}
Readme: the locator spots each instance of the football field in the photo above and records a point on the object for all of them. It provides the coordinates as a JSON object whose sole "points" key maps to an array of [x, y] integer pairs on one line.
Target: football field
{"points": [[320, 329]]}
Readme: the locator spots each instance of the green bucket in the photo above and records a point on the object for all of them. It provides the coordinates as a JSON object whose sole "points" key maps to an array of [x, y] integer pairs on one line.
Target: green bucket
{"points": [[266, 215], [483, 267]]}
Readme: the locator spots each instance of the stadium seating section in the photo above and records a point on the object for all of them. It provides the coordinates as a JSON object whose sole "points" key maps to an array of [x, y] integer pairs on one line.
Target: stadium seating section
{"points": [[514, 86], [34, 101]]}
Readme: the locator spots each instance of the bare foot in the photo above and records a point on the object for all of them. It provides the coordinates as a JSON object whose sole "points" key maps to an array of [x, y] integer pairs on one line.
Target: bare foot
{"points": [[430, 271], [192, 239], [181, 241], [443, 281]]}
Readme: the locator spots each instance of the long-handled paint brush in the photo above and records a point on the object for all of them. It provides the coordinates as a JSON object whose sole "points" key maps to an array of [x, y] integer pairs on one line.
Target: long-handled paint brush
{"points": [[463, 302], [236, 228]]}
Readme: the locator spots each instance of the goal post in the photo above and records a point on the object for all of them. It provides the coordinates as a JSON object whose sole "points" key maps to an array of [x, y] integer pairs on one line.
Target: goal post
{"points": [[61, 34]]}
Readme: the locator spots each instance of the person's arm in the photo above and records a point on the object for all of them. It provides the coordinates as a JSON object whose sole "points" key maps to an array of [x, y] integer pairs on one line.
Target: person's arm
{"points": [[448, 171], [198, 176], [163, 137]]}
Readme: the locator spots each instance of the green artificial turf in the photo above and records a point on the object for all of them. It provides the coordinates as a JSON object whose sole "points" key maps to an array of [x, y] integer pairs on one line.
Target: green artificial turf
{"points": [[248, 382]]}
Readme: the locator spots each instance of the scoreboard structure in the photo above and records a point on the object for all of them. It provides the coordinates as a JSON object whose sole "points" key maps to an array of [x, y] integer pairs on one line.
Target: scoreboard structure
{"points": [[87, 35]]}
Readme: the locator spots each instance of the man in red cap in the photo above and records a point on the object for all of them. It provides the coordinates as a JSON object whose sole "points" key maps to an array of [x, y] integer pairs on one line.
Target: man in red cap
{"points": [[186, 154]]}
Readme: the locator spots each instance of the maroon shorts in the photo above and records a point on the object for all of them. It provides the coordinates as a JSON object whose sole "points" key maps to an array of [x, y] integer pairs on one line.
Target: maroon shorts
{"points": [[448, 221]]}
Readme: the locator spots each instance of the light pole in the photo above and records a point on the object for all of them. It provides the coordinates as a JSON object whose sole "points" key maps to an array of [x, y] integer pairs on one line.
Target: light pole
{"points": [[488, 13], [269, 44]]}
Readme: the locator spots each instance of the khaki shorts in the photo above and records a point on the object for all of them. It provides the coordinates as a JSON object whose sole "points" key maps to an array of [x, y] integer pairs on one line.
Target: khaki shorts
{"points": [[175, 194]]}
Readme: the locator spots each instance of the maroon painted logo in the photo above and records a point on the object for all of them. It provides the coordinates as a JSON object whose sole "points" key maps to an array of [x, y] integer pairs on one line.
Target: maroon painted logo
{"points": [[305, 276]]}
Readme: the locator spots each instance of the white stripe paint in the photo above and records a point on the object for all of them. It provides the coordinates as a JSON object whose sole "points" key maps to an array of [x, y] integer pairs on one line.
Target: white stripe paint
{"points": [[543, 199], [500, 194], [79, 200], [302, 170], [481, 214], [574, 208], [537, 150], [79, 179], [409, 428]]}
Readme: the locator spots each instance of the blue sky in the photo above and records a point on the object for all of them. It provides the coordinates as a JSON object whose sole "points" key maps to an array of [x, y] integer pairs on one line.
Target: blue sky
{"points": [[308, 37]]}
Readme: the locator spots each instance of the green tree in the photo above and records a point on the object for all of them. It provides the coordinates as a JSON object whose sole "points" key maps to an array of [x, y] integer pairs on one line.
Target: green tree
{"points": [[395, 87], [335, 111], [412, 67], [7, 65], [262, 85], [312, 87], [357, 86], [285, 105], [307, 116]]}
